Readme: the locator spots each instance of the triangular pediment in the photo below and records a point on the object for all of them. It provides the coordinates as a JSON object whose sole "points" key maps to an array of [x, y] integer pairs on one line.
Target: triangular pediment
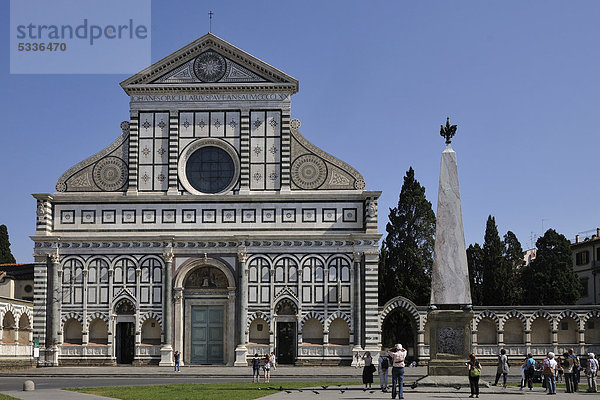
{"points": [[208, 64]]}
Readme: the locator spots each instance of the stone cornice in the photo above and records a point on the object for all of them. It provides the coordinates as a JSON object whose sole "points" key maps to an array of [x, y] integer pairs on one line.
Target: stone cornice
{"points": [[255, 197], [210, 87], [209, 41], [367, 241]]}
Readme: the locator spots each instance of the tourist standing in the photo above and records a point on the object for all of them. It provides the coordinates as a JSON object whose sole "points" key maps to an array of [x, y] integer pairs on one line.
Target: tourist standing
{"points": [[592, 371], [548, 368], [474, 369], [559, 370], [576, 369], [273, 361], [267, 368], [256, 368], [568, 365], [368, 369], [384, 365], [177, 358], [529, 370], [523, 376], [502, 369], [398, 355]]}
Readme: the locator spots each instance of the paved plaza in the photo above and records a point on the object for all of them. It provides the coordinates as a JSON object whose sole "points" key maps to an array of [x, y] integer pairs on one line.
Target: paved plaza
{"points": [[49, 382]]}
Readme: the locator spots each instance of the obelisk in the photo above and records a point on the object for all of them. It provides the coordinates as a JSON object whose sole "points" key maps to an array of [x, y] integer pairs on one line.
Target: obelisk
{"points": [[450, 314]]}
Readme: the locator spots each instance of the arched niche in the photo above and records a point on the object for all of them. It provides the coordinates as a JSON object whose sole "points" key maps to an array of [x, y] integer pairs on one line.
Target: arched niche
{"points": [[259, 331], [72, 332], [206, 277], [124, 307], [286, 307], [312, 332], [339, 332], [98, 332], [487, 331], [513, 331]]}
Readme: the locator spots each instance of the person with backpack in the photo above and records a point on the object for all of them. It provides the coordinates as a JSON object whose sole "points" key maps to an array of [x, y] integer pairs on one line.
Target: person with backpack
{"points": [[529, 370], [592, 371], [548, 369], [384, 365]]}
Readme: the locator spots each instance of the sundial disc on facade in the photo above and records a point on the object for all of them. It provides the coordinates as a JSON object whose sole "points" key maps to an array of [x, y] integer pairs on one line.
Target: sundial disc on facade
{"points": [[309, 171], [210, 66], [110, 173]]}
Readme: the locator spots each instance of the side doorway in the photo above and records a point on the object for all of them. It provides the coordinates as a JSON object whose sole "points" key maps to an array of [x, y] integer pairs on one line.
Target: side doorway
{"points": [[286, 342], [125, 331], [125, 336]]}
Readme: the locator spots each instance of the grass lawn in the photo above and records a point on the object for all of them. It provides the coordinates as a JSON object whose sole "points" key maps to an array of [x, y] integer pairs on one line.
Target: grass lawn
{"points": [[202, 391], [6, 397]]}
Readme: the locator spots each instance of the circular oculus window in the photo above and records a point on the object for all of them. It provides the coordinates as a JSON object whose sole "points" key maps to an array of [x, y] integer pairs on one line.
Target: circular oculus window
{"points": [[209, 166]]}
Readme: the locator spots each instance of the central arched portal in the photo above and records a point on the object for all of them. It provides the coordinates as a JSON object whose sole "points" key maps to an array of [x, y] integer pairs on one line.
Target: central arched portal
{"points": [[204, 312]]}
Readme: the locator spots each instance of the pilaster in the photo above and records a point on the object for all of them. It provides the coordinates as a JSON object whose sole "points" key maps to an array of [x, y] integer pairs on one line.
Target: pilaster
{"points": [[371, 321], [166, 350], [241, 350], [358, 309], [173, 151], [245, 151], [55, 314], [286, 152], [134, 133]]}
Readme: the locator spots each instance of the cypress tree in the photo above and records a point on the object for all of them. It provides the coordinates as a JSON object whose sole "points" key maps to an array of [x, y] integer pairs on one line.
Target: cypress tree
{"points": [[550, 279], [493, 268], [475, 262], [407, 253], [6, 256], [513, 264]]}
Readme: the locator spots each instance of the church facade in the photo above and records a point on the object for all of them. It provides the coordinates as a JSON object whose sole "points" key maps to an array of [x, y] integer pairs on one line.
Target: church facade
{"points": [[209, 226]]}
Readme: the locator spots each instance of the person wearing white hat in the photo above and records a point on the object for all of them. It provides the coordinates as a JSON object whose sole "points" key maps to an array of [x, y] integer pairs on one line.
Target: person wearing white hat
{"points": [[549, 367], [592, 371], [398, 355]]}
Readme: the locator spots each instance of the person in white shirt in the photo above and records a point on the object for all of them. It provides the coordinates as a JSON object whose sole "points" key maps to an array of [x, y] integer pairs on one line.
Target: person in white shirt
{"points": [[273, 361], [548, 368], [398, 355], [592, 371]]}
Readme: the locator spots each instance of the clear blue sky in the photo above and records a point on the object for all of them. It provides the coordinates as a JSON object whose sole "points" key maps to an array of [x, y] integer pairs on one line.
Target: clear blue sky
{"points": [[520, 78]]}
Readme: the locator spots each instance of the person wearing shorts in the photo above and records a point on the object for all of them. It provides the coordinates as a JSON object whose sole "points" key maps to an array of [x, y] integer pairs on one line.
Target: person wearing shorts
{"points": [[256, 369]]}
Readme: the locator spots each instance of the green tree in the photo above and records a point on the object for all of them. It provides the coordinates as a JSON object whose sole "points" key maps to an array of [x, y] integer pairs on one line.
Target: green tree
{"points": [[550, 279], [513, 264], [6, 256], [493, 269], [475, 262], [407, 253]]}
